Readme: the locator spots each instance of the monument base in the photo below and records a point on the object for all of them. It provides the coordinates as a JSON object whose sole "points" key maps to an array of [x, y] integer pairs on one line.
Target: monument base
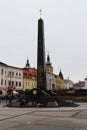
{"points": [[40, 98], [49, 99]]}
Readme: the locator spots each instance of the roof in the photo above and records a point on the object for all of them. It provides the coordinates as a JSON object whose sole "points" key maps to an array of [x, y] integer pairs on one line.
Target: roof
{"points": [[61, 75], [1, 63], [67, 80], [85, 79], [79, 84], [15, 67]]}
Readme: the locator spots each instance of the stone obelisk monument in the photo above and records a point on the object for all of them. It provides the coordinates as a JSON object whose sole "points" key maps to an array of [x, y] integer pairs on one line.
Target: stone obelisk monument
{"points": [[41, 69]]}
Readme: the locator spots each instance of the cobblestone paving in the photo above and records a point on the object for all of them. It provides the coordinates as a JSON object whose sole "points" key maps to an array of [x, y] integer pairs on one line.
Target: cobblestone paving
{"points": [[43, 118]]}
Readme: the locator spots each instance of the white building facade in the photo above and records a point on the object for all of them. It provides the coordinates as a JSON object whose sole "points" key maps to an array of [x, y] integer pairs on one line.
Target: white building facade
{"points": [[68, 84], [10, 77], [50, 81]]}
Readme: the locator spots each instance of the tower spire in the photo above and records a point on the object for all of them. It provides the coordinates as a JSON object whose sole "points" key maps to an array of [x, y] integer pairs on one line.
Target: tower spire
{"points": [[27, 64], [60, 74], [48, 60]]}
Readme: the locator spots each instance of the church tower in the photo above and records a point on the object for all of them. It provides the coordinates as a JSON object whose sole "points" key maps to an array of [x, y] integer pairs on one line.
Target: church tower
{"points": [[27, 66], [61, 75], [49, 67]]}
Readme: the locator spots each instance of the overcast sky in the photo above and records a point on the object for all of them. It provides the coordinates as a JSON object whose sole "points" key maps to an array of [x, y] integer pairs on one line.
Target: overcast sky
{"points": [[65, 23]]}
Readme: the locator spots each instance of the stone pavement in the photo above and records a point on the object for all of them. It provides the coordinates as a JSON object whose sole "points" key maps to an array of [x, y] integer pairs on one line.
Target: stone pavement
{"points": [[63, 118]]}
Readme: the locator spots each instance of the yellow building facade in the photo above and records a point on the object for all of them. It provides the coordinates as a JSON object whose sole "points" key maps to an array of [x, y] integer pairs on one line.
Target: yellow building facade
{"points": [[29, 77], [29, 83], [59, 85]]}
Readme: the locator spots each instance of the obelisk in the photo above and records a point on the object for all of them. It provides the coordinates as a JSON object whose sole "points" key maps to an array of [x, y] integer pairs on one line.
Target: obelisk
{"points": [[41, 69]]}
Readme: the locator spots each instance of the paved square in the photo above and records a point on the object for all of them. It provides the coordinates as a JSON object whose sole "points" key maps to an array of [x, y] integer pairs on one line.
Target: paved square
{"points": [[55, 113], [43, 118]]}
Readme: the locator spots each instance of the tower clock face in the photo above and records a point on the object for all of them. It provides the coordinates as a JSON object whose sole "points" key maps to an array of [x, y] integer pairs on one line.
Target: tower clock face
{"points": [[34, 92]]}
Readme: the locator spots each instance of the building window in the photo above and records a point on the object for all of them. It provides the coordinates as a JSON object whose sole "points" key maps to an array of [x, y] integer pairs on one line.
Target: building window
{"points": [[5, 82], [19, 84], [9, 73], [5, 71], [28, 83], [1, 81], [12, 83], [33, 84], [53, 86], [16, 83], [9, 83], [19, 74], [34, 76], [2, 71], [16, 74], [12, 73]]}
